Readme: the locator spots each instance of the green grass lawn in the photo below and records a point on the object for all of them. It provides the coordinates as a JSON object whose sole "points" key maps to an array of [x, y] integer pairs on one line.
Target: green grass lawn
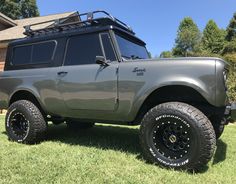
{"points": [[103, 154]]}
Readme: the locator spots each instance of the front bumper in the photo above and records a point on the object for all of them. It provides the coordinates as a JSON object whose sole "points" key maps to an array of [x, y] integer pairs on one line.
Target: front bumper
{"points": [[231, 112]]}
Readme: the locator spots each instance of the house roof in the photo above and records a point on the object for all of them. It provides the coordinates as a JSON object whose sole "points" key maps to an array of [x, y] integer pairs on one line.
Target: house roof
{"points": [[17, 31], [6, 20]]}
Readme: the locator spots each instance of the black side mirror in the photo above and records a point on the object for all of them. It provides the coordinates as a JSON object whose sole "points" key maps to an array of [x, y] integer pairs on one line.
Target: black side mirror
{"points": [[101, 61]]}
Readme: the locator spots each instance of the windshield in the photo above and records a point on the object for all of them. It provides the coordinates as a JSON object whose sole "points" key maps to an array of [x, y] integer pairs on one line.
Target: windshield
{"points": [[131, 50]]}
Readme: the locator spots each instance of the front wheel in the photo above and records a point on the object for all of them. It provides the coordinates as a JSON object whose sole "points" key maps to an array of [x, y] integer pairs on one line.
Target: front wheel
{"points": [[25, 123], [177, 135]]}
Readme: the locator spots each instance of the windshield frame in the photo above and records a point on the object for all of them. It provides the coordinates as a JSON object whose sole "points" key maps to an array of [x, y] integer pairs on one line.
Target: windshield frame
{"points": [[129, 38]]}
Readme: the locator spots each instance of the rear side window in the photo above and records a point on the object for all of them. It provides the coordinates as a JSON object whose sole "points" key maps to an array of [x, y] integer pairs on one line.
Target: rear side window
{"points": [[37, 53], [83, 49], [43, 52], [108, 48], [22, 55]]}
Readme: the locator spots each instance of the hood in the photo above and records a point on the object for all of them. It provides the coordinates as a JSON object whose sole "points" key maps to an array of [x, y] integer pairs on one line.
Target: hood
{"points": [[187, 59]]}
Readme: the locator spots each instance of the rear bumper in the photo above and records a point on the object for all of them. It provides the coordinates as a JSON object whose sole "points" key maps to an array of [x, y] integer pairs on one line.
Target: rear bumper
{"points": [[231, 112]]}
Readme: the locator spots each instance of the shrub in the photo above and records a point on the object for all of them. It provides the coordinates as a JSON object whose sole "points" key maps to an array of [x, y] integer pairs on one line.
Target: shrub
{"points": [[231, 83]]}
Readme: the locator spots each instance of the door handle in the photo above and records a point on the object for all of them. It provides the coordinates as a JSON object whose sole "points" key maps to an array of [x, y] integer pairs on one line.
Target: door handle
{"points": [[62, 73]]}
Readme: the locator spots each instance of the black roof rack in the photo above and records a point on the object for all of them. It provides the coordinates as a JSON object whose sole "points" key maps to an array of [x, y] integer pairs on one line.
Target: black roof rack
{"points": [[76, 21]]}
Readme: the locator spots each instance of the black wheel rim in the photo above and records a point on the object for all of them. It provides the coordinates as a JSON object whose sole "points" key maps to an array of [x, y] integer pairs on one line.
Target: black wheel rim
{"points": [[172, 137], [19, 125]]}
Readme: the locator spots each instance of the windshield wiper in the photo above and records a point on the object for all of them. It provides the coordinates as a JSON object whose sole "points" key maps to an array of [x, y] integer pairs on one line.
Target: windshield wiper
{"points": [[126, 57], [133, 57], [136, 57]]}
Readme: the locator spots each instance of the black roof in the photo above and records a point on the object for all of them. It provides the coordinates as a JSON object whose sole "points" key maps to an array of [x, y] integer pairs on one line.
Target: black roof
{"points": [[76, 25]]}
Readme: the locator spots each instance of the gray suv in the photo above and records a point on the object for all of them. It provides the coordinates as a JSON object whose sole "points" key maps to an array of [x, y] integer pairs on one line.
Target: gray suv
{"points": [[95, 70]]}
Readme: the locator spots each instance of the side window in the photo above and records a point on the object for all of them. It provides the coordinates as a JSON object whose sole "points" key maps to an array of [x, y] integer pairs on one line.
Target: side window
{"points": [[37, 53], [83, 49], [22, 55], [108, 48], [43, 52]]}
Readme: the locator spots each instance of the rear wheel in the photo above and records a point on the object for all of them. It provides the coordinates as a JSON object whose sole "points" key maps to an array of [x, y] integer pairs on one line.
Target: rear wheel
{"points": [[25, 123], [177, 135]]}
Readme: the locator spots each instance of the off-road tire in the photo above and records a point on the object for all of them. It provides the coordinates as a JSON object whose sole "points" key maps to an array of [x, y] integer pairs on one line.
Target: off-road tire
{"points": [[25, 113], [199, 147], [73, 125]]}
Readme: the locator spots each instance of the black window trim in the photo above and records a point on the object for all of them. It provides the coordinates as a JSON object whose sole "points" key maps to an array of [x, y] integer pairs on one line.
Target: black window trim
{"points": [[67, 43], [31, 54], [112, 45]]}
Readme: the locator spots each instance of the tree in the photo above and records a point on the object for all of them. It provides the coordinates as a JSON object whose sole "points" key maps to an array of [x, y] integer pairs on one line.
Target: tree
{"points": [[28, 8], [10, 8], [213, 38], [231, 29], [230, 47], [188, 38], [149, 54], [17, 9], [166, 54]]}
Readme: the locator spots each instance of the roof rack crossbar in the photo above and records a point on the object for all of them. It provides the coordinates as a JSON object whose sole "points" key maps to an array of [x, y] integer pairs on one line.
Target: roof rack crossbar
{"points": [[60, 24]]}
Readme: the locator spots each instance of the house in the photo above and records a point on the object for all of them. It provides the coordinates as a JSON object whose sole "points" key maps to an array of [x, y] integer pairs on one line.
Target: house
{"points": [[13, 29]]}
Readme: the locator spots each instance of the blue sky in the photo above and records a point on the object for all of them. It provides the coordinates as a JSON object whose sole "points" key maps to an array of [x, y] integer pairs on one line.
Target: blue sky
{"points": [[154, 21]]}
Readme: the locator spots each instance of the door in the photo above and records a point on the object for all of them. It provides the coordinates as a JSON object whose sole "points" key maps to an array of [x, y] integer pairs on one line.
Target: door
{"points": [[83, 84]]}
